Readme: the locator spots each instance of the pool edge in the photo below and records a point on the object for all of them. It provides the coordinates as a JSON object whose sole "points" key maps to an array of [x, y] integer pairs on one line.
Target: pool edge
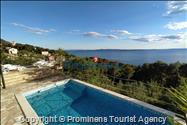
{"points": [[24, 105], [27, 109]]}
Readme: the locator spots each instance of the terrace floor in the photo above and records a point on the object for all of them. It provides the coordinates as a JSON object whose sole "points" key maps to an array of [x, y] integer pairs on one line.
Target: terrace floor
{"points": [[10, 110]]}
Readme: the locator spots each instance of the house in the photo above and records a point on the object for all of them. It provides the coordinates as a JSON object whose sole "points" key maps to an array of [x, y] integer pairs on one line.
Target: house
{"points": [[45, 53], [95, 59], [13, 51], [51, 58]]}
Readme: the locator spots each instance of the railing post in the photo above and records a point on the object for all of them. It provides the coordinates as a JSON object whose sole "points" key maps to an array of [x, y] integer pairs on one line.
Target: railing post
{"points": [[2, 78]]}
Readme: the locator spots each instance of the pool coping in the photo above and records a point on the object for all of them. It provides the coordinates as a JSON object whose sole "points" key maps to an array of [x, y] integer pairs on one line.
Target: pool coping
{"points": [[27, 109], [30, 113]]}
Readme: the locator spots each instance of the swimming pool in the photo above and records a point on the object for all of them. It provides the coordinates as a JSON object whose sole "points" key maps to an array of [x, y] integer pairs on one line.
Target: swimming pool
{"points": [[76, 102]]}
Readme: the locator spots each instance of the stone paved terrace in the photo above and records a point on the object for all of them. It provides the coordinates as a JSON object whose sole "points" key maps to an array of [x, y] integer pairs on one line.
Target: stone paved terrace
{"points": [[10, 110]]}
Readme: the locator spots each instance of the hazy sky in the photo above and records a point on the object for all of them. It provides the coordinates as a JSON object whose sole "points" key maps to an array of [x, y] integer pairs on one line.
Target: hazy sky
{"points": [[96, 25]]}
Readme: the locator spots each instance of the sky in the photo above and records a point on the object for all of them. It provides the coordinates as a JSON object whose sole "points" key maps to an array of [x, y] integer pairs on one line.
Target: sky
{"points": [[96, 24]]}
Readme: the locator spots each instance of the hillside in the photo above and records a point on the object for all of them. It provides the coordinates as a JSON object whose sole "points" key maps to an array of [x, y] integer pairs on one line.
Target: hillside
{"points": [[24, 47], [27, 54]]}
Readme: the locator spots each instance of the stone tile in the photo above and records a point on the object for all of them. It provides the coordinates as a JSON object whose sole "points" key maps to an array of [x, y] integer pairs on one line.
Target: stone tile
{"points": [[10, 109]]}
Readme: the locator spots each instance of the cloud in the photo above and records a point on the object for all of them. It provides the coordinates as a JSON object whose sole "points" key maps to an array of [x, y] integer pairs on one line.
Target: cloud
{"points": [[176, 25], [160, 38], [99, 35], [145, 38], [111, 36], [34, 30], [93, 34], [142, 38], [176, 7], [121, 32]]}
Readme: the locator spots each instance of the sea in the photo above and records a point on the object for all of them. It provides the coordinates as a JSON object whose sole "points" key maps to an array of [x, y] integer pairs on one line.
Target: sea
{"points": [[136, 57]]}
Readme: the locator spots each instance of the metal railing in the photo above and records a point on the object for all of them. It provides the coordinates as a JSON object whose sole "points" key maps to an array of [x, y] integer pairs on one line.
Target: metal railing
{"points": [[132, 89]]}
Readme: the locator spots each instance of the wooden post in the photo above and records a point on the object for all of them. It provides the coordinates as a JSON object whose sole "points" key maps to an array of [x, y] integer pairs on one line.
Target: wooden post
{"points": [[2, 78]]}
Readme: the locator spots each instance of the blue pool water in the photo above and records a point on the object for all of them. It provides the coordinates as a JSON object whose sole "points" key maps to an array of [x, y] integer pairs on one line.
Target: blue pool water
{"points": [[75, 99]]}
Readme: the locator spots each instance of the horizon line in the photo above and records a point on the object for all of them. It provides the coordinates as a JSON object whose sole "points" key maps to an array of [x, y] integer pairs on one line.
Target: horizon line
{"points": [[121, 49]]}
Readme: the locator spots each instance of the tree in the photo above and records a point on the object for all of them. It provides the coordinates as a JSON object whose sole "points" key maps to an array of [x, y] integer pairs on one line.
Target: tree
{"points": [[60, 52], [183, 70], [126, 71]]}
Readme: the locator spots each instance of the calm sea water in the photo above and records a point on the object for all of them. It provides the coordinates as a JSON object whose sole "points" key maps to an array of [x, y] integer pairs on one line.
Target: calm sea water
{"points": [[136, 57]]}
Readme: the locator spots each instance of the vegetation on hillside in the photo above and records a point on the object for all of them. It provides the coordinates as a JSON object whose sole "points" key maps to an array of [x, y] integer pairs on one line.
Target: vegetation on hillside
{"points": [[27, 54], [148, 82]]}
